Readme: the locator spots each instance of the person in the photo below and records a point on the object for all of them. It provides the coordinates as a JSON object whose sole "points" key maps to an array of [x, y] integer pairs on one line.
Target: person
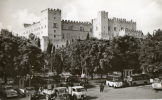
{"points": [[101, 87], [85, 86], [53, 95]]}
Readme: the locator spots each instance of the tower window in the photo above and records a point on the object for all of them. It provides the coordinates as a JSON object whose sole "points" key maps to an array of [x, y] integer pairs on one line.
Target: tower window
{"points": [[54, 36], [109, 28], [90, 29], [54, 31], [121, 28], [70, 27], [114, 28], [81, 29], [54, 25]]}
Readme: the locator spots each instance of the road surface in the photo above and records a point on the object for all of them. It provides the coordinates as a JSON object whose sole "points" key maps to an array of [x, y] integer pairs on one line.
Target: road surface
{"points": [[137, 92]]}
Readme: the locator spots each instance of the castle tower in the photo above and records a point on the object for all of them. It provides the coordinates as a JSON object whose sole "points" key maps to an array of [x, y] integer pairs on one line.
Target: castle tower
{"points": [[100, 26], [51, 26]]}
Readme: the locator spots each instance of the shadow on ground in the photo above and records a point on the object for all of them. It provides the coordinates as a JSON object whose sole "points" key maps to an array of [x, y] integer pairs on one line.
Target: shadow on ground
{"points": [[91, 98], [91, 86]]}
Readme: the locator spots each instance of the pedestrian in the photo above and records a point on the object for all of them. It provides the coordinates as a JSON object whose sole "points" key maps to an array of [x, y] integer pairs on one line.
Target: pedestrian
{"points": [[54, 95], [101, 87], [85, 86]]}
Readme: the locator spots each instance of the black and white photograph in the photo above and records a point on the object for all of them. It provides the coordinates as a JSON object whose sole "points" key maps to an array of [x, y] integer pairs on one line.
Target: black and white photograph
{"points": [[80, 49]]}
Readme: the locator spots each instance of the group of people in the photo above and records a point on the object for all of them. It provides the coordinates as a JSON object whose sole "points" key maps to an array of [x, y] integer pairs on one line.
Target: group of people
{"points": [[102, 87], [53, 96]]}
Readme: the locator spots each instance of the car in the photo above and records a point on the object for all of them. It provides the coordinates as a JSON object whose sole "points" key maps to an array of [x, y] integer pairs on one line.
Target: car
{"points": [[8, 91], [77, 92], [157, 84], [38, 96], [73, 79], [20, 92], [48, 91], [62, 93], [83, 81], [30, 90]]}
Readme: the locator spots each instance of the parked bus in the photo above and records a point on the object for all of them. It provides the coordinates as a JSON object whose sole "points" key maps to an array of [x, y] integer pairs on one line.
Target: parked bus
{"points": [[114, 81], [140, 79]]}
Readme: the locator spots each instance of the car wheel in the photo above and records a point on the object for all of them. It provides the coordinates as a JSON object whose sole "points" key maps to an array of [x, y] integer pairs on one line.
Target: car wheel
{"points": [[145, 83], [134, 84], [74, 97]]}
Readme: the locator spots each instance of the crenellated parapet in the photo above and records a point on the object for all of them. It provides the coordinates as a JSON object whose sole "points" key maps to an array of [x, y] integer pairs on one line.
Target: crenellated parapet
{"points": [[127, 30], [51, 10], [75, 22], [122, 20]]}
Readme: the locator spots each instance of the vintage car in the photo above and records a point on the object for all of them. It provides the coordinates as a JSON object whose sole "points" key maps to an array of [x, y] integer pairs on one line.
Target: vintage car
{"points": [[62, 93], [48, 91], [30, 90], [77, 92], [157, 84], [8, 91]]}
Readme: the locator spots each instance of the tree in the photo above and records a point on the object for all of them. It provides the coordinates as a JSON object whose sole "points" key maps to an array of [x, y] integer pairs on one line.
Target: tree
{"points": [[18, 55], [49, 47], [123, 53], [87, 36], [151, 52], [31, 36], [38, 42]]}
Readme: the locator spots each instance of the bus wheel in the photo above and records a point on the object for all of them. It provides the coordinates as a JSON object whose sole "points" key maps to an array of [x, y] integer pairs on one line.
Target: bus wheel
{"points": [[134, 84]]}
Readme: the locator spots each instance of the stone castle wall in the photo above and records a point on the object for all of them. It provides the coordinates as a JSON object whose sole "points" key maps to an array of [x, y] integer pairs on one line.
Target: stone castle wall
{"points": [[72, 30], [116, 25], [52, 28]]}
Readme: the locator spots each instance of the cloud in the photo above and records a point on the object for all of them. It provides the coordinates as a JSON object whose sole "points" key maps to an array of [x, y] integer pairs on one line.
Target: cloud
{"points": [[147, 13], [149, 18], [2, 26], [23, 16]]}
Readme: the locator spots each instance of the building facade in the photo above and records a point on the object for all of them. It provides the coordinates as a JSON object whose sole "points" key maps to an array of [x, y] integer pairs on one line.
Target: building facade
{"points": [[51, 28], [107, 28]]}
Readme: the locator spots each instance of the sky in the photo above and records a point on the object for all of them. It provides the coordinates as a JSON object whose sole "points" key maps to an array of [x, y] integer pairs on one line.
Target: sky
{"points": [[146, 13]]}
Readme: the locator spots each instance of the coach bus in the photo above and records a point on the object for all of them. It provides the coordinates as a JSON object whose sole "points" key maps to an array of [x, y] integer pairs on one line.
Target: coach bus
{"points": [[140, 79], [114, 81]]}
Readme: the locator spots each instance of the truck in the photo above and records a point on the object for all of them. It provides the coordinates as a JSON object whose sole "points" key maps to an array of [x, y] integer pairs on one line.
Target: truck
{"points": [[77, 92]]}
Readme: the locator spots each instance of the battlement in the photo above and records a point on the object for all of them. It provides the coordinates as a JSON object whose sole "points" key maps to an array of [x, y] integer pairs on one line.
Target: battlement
{"points": [[76, 22], [139, 31], [28, 25], [51, 10], [121, 20], [103, 12]]}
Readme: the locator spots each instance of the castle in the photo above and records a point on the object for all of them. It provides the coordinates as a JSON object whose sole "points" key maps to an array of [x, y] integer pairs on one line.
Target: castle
{"points": [[51, 28]]}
